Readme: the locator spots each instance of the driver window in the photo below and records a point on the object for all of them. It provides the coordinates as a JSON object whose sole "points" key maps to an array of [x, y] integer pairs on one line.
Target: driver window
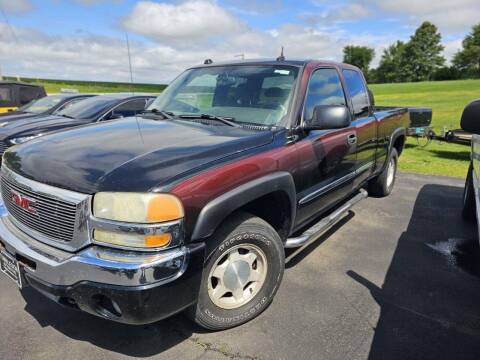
{"points": [[324, 88]]}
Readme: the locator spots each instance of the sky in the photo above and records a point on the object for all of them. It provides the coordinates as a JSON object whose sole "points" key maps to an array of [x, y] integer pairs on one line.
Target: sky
{"points": [[86, 39]]}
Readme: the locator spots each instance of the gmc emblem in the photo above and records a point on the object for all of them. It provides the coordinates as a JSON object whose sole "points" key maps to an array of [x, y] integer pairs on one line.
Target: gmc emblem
{"points": [[24, 202]]}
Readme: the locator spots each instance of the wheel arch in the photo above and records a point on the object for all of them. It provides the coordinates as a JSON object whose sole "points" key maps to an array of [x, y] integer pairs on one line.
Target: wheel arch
{"points": [[277, 189], [397, 141]]}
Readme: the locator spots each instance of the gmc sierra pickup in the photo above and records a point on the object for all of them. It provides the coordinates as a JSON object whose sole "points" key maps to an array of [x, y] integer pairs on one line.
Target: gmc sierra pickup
{"points": [[190, 206]]}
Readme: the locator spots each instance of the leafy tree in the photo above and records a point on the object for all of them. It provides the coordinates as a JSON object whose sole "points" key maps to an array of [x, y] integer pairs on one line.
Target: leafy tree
{"points": [[467, 60], [446, 73], [422, 54], [360, 56], [389, 69]]}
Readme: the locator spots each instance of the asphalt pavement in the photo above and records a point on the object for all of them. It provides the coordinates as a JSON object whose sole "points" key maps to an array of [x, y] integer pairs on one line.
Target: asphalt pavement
{"points": [[398, 279]]}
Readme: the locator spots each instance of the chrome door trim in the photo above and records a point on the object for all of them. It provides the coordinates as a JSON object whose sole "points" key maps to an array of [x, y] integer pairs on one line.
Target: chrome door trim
{"points": [[313, 195]]}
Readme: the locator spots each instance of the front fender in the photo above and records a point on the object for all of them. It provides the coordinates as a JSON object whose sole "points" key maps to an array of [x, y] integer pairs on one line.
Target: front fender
{"points": [[219, 208]]}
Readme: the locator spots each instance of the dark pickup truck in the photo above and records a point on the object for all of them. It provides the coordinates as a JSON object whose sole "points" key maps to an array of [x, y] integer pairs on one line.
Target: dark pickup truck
{"points": [[190, 206]]}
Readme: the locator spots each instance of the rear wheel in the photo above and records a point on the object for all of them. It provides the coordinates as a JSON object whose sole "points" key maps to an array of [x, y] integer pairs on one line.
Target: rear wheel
{"points": [[469, 207], [382, 185], [243, 271]]}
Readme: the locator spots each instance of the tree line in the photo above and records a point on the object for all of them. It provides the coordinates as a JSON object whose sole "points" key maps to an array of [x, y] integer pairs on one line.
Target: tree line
{"points": [[419, 59]]}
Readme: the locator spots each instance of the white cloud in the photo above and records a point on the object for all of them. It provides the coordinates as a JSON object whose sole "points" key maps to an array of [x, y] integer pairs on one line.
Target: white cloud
{"points": [[15, 6], [184, 34], [338, 13], [451, 47], [91, 57], [448, 15], [183, 23]]}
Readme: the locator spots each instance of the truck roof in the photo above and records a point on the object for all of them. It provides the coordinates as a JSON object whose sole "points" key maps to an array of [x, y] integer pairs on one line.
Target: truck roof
{"points": [[292, 62]]}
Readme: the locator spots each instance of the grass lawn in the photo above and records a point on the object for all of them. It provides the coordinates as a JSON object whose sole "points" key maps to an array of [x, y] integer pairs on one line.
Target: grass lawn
{"points": [[56, 86], [447, 99]]}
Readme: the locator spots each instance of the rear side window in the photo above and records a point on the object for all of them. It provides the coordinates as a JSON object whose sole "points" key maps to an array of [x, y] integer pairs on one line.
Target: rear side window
{"points": [[324, 88], [358, 93], [130, 108]]}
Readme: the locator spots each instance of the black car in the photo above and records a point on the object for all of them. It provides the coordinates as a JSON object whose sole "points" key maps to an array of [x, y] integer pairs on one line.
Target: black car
{"points": [[95, 109], [44, 106]]}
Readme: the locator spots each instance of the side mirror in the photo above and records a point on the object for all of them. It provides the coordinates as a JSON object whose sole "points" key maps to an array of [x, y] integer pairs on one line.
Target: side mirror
{"points": [[371, 97], [471, 118], [329, 117]]}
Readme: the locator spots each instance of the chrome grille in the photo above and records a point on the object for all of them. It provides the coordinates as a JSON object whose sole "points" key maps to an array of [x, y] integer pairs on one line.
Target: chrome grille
{"points": [[53, 218]]}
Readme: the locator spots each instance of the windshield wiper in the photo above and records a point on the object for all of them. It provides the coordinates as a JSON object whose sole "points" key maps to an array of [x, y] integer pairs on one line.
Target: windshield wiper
{"points": [[165, 114], [230, 121], [67, 116]]}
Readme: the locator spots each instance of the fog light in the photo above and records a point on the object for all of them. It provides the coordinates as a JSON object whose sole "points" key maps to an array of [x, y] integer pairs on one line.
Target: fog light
{"points": [[132, 240]]}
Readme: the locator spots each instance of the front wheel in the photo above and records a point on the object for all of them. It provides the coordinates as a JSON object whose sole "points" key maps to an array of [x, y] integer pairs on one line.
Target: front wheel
{"points": [[382, 185], [243, 270]]}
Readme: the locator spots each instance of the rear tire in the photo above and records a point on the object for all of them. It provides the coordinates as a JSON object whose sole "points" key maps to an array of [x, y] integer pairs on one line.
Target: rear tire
{"points": [[242, 273], [382, 185], [469, 206]]}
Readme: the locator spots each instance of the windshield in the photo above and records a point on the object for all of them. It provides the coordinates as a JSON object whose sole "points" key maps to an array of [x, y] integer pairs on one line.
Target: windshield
{"points": [[41, 105], [250, 94], [89, 108]]}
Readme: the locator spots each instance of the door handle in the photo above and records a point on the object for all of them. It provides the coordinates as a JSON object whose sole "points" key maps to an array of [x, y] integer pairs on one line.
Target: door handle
{"points": [[352, 139]]}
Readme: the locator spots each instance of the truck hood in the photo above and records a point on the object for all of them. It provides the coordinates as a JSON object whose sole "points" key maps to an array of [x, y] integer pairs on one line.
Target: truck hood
{"points": [[132, 154]]}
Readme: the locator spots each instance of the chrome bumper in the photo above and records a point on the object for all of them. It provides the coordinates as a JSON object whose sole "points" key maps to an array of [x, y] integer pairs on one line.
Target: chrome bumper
{"points": [[94, 264]]}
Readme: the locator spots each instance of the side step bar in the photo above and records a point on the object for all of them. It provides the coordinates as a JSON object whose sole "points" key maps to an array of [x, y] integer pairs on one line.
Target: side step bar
{"points": [[326, 223]]}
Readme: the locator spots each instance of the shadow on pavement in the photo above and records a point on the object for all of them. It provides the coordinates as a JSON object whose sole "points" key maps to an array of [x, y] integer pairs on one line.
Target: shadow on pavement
{"points": [[135, 341], [430, 299]]}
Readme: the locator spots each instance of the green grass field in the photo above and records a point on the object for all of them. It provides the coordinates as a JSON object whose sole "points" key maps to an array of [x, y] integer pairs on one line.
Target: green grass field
{"points": [[447, 99], [56, 86]]}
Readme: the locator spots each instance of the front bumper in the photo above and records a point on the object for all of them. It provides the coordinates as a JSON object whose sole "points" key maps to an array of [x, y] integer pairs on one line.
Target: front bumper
{"points": [[123, 286]]}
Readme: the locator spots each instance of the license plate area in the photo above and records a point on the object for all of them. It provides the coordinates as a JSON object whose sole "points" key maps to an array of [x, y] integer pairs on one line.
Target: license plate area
{"points": [[10, 267]]}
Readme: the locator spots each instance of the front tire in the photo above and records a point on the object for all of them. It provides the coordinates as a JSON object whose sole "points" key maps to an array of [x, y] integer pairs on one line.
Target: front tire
{"points": [[244, 268], [469, 206], [382, 185]]}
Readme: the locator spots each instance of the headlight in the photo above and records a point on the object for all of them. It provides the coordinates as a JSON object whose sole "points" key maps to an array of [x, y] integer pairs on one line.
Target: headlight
{"points": [[137, 208], [2, 124], [22, 139]]}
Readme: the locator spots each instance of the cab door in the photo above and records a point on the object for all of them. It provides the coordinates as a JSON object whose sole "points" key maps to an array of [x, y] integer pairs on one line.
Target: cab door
{"points": [[364, 122], [327, 157]]}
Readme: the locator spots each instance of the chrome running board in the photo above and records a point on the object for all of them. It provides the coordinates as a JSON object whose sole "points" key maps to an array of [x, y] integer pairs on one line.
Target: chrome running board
{"points": [[323, 225]]}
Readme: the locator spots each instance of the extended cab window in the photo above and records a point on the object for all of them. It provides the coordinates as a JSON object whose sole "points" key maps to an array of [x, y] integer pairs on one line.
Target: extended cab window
{"points": [[358, 92], [324, 88]]}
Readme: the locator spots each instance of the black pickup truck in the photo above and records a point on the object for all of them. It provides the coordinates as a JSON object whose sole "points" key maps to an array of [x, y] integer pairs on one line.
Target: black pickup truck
{"points": [[191, 205]]}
